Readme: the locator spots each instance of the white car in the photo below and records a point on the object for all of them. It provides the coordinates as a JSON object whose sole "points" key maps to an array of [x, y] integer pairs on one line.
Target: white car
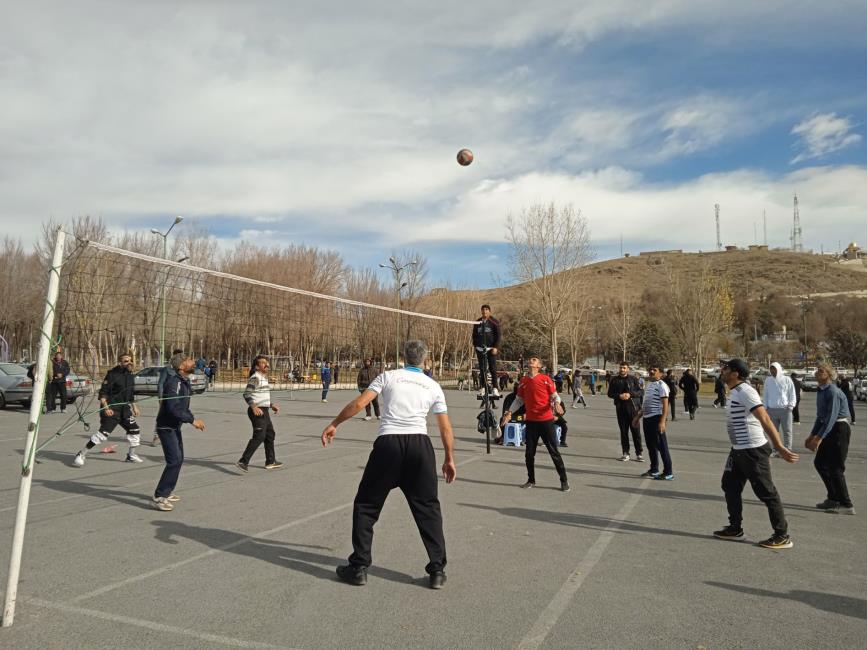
{"points": [[861, 389]]}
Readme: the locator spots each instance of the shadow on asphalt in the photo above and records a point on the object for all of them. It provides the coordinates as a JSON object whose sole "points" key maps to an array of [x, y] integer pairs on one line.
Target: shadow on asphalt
{"points": [[834, 603], [283, 554], [583, 521]]}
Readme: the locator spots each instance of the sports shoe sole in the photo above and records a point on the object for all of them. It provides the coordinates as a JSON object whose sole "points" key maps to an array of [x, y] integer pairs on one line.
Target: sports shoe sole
{"points": [[731, 538]]}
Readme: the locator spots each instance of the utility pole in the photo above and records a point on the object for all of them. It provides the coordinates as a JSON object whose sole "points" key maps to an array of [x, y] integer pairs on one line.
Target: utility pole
{"points": [[165, 236], [397, 270], [718, 240]]}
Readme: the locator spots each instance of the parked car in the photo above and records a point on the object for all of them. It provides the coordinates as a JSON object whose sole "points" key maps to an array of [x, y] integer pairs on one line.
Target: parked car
{"points": [[15, 386], [146, 381], [861, 390], [809, 383]]}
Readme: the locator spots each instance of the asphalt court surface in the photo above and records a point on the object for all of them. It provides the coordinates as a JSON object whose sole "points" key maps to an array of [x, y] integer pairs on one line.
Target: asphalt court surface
{"points": [[247, 560]]}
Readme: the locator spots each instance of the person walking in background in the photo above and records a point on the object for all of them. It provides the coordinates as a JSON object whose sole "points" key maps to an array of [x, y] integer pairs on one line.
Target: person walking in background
{"points": [[671, 382], [778, 396], [537, 394], [366, 374], [486, 341], [749, 429], [654, 412], [257, 394], [799, 386], [577, 393], [624, 391], [335, 372], [846, 386], [720, 389], [174, 412], [591, 382], [829, 439], [325, 377], [57, 384], [212, 375], [689, 385]]}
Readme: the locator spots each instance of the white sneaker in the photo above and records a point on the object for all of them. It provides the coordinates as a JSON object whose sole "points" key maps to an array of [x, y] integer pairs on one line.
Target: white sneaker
{"points": [[367, 418], [78, 461], [495, 393], [325, 401], [161, 503], [132, 457], [155, 441], [624, 457]]}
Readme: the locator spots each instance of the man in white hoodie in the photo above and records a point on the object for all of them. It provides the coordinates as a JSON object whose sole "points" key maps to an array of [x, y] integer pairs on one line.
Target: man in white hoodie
{"points": [[779, 398]]}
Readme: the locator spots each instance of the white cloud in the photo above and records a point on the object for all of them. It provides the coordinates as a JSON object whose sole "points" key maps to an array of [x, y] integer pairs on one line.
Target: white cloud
{"points": [[822, 134], [619, 202]]}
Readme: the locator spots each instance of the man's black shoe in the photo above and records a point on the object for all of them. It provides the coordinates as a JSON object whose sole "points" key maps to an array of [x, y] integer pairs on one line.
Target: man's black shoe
{"points": [[437, 580], [352, 575]]}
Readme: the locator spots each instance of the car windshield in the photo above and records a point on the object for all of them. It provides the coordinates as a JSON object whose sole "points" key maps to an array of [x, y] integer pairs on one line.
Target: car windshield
{"points": [[13, 369]]}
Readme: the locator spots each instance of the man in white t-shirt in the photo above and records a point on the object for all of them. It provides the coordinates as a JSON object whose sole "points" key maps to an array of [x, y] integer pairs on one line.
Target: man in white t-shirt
{"points": [[749, 428], [654, 410], [402, 457]]}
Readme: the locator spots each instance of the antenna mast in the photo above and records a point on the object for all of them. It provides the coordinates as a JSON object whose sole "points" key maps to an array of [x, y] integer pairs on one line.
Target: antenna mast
{"points": [[718, 240], [797, 243]]}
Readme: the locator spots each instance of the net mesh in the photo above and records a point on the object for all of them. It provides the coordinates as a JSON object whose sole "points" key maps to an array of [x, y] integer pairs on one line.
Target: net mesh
{"points": [[114, 301]]}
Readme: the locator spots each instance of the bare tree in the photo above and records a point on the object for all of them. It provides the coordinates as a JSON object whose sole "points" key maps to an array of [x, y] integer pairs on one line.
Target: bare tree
{"points": [[700, 308], [548, 245], [621, 315]]}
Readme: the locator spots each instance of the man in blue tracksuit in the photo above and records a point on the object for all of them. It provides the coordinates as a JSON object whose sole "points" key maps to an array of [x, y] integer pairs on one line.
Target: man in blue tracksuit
{"points": [[325, 375], [165, 372], [174, 411]]}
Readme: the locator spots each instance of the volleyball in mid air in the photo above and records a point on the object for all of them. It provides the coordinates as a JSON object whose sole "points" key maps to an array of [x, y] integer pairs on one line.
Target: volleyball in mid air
{"points": [[465, 157]]}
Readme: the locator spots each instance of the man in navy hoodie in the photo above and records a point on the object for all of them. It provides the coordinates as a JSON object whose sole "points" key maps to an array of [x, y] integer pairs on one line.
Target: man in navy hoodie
{"points": [[174, 411]]}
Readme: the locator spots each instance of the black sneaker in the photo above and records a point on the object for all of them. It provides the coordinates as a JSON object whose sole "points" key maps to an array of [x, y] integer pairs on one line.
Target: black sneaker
{"points": [[437, 580], [564, 486], [650, 474], [563, 444], [352, 575], [777, 542], [827, 504], [528, 485], [729, 532], [241, 465]]}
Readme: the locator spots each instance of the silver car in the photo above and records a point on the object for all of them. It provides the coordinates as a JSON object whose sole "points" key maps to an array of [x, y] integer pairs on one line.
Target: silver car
{"points": [[146, 381], [76, 386], [15, 386]]}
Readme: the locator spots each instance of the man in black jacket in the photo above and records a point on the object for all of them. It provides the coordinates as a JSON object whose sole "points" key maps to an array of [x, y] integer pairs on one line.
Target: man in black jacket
{"points": [[486, 340], [174, 411], [720, 389], [57, 384], [624, 390], [689, 385], [118, 407], [671, 382], [365, 376]]}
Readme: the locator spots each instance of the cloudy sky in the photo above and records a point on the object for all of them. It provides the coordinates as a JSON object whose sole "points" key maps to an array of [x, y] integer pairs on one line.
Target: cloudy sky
{"points": [[336, 123]]}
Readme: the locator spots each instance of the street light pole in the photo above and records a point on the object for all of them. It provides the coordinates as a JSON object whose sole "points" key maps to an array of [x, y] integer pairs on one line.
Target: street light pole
{"points": [[165, 236], [397, 270]]}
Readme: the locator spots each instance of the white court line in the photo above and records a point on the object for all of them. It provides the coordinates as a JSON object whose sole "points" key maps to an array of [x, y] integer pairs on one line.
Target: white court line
{"points": [[551, 614], [151, 625], [149, 481], [213, 551]]}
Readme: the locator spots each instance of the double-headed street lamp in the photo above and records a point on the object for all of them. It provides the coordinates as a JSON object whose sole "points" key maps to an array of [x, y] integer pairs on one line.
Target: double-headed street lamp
{"points": [[165, 236], [397, 270]]}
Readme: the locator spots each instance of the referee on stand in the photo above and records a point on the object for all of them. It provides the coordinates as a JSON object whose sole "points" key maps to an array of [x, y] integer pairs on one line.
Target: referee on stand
{"points": [[402, 457]]}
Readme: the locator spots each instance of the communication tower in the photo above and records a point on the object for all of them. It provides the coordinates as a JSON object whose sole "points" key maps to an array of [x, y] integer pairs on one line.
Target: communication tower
{"points": [[718, 240], [797, 242]]}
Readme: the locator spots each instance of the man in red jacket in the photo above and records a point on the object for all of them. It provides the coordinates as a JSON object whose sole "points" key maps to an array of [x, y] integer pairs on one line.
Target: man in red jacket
{"points": [[537, 393]]}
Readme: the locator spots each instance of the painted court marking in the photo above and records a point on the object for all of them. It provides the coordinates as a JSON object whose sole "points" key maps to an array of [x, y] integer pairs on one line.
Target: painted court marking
{"points": [[552, 612], [151, 625], [226, 547]]}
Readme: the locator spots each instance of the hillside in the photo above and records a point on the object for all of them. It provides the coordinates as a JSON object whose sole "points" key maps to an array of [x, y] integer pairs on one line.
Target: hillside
{"points": [[752, 273]]}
